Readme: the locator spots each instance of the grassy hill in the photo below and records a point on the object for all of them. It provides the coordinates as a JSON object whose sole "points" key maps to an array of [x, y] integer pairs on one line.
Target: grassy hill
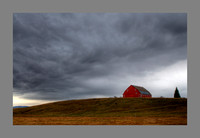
{"points": [[108, 107]]}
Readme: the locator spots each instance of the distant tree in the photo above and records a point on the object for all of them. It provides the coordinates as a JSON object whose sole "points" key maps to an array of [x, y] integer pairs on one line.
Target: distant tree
{"points": [[176, 93]]}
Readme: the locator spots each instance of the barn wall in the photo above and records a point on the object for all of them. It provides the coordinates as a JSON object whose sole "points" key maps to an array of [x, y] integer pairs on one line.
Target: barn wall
{"points": [[132, 92]]}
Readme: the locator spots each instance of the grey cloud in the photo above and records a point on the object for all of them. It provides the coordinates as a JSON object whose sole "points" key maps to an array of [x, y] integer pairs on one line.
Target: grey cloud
{"points": [[54, 55]]}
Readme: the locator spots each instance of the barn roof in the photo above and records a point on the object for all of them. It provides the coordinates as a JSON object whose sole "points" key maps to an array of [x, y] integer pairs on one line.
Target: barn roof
{"points": [[142, 90]]}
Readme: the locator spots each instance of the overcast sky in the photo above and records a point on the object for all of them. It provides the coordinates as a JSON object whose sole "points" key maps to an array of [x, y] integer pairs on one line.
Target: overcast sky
{"points": [[86, 55]]}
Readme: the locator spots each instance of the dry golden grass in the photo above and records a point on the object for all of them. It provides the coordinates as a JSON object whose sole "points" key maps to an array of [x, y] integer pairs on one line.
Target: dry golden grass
{"points": [[100, 121], [106, 111]]}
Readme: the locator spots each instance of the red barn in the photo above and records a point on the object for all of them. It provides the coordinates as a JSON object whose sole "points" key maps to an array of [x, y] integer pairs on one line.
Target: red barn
{"points": [[136, 91]]}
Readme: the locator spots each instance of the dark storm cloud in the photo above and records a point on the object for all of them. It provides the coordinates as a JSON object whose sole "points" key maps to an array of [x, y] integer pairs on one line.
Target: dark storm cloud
{"points": [[59, 56]]}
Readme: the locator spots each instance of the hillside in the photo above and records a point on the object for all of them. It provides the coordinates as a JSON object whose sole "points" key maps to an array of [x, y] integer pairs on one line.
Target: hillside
{"points": [[108, 107]]}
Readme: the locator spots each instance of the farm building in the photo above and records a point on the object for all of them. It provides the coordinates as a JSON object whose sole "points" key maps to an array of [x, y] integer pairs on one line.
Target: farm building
{"points": [[136, 91]]}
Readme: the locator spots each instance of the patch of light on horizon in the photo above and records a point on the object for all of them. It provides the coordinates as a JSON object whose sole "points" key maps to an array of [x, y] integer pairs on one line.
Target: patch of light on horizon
{"points": [[19, 101], [166, 80]]}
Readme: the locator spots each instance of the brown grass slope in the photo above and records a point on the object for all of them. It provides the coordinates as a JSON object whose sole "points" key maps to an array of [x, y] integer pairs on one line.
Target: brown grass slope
{"points": [[108, 107]]}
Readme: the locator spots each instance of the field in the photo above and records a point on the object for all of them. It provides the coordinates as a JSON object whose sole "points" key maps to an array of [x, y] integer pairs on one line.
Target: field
{"points": [[100, 121], [106, 111]]}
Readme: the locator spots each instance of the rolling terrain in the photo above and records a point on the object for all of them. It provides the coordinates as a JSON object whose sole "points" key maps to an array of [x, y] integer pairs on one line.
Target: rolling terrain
{"points": [[105, 111]]}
